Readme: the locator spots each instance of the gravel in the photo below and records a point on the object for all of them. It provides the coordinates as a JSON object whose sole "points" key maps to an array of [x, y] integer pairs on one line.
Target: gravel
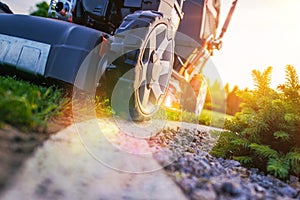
{"points": [[202, 176]]}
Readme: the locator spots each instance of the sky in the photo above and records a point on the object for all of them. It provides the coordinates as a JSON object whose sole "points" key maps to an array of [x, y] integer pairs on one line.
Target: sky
{"points": [[262, 33]]}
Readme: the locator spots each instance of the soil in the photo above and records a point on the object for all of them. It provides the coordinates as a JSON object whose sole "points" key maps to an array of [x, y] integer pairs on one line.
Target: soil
{"points": [[15, 148]]}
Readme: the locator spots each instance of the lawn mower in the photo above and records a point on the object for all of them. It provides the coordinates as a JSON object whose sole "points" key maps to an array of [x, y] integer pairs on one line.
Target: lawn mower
{"points": [[164, 43]]}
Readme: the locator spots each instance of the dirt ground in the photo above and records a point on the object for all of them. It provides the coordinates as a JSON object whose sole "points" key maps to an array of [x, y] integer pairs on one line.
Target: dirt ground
{"points": [[15, 148]]}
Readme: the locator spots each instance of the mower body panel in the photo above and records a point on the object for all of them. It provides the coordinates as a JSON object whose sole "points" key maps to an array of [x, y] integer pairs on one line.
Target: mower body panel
{"points": [[54, 49]]}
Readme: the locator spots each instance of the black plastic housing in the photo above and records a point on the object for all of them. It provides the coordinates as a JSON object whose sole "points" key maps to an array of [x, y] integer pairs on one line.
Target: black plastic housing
{"points": [[70, 43]]}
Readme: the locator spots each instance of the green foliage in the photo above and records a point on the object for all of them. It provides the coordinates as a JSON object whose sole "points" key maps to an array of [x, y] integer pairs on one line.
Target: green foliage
{"points": [[41, 9], [241, 142], [266, 133], [291, 86], [207, 117], [26, 105], [279, 167], [176, 115], [262, 80], [224, 150], [282, 135], [243, 159], [293, 158], [264, 151], [212, 118], [102, 107]]}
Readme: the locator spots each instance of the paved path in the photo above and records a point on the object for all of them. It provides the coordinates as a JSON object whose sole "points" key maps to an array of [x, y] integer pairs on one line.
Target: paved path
{"points": [[93, 164]]}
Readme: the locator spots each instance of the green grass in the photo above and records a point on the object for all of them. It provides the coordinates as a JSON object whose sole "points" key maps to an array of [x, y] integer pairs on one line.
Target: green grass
{"points": [[28, 106], [212, 118], [207, 117], [175, 115]]}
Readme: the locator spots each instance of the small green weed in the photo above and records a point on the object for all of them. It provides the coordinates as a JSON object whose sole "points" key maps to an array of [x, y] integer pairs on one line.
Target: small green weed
{"points": [[102, 107]]}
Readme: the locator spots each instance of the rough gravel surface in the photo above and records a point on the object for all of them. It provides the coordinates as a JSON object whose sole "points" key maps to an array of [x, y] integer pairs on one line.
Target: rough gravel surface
{"points": [[202, 176]]}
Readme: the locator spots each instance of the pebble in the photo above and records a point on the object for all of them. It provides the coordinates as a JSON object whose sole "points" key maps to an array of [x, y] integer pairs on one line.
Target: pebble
{"points": [[202, 176], [203, 194]]}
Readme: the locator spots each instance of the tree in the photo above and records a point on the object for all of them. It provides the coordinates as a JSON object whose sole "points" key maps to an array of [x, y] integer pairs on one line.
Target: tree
{"points": [[233, 101], [41, 9]]}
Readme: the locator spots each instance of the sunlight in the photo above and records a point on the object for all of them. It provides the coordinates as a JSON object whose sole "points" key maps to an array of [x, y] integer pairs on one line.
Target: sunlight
{"points": [[168, 102], [255, 40]]}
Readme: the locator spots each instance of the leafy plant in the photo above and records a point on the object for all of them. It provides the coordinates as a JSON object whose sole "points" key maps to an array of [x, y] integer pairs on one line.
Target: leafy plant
{"points": [[266, 133], [41, 9]]}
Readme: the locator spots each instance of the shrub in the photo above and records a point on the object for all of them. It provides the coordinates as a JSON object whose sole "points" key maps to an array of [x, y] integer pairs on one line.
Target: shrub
{"points": [[266, 133], [41, 9]]}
